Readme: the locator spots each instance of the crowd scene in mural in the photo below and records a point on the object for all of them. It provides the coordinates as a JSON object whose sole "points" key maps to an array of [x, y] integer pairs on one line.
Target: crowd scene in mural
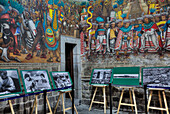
{"points": [[30, 29]]}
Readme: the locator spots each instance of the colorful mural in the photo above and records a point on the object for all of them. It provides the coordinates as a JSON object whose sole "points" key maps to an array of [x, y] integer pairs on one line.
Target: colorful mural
{"points": [[123, 27], [30, 29]]}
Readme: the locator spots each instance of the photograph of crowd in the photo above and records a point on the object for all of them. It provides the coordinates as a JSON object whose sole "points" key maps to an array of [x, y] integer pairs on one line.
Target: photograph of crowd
{"points": [[61, 79], [9, 82], [35, 80], [126, 75], [156, 77], [101, 76]]}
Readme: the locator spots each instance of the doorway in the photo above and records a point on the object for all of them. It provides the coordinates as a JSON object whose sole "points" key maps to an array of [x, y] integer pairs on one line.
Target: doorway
{"points": [[69, 61]]}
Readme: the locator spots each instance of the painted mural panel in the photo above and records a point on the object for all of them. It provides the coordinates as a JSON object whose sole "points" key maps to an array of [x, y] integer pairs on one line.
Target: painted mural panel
{"points": [[30, 29], [119, 28]]}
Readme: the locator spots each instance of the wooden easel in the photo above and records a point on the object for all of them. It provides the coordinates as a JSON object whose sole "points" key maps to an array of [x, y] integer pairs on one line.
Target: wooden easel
{"points": [[36, 107], [104, 96], [160, 100], [11, 107], [134, 99], [61, 94]]}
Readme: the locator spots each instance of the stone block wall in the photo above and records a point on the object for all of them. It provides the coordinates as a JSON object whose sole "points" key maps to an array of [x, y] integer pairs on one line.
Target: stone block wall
{"points": [[24, 105], [100, 62]]}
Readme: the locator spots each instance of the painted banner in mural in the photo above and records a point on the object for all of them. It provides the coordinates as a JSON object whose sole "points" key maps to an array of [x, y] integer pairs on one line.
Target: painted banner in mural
{"points": [[30, 29]]}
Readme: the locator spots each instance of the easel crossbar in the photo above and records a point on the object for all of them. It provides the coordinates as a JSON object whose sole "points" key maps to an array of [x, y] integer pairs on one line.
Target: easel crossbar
{"points": [[157, 108], [98, 102], [68, 108], [127, 104]]}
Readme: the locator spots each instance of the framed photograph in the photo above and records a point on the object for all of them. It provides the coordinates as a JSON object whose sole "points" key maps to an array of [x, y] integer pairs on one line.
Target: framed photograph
{"points": [[9, 82], [126, 76], [35, 80], [101, 76], [156, 77], [61, 80]]}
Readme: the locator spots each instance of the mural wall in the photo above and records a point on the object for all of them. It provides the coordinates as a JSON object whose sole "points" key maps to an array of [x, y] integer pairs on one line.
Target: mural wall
{"points": [[30, 29], [121, 28]]}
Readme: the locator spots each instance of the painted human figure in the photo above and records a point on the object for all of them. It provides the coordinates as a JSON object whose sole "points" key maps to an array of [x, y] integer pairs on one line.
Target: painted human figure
{"points": [[92, 41], [107, 28], [137, 35], [124, 42], [151, 41], [39, 38], [112, 35], [101, 39], [50, 41]]}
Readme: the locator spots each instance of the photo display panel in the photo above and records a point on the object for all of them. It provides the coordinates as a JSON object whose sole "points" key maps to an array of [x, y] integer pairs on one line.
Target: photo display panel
{"points": [[35, 80], [126, 76], [101, 76], [9, 82], [61, 80], [156, 77]]}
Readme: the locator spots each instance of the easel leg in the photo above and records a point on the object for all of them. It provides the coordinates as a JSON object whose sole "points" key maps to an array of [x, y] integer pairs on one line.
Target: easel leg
{"points": [[121, 97], [12, 109], [36, 108], [49, 105], [104, 95], [63, 103], [165, 101], [33, 105], [131, 98], [149, 101], [134, 99], [93, 98], [74, 104], [160, 100], [57, 103]]}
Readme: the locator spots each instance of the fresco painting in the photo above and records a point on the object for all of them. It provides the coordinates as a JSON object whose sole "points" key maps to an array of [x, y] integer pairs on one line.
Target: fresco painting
{"points": [[30, 30]]}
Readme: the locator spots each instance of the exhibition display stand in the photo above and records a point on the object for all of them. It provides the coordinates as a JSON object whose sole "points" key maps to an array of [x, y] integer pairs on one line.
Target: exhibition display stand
{"points": [[104, 96], [62, 92], [159, 90], [133, 102]]}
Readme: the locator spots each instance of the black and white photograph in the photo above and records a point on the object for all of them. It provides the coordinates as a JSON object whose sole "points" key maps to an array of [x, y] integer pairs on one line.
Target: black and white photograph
{"points": [[101, 76], [35, 80], [126, 75], [156, 77], [61, 79], [9, 82]]}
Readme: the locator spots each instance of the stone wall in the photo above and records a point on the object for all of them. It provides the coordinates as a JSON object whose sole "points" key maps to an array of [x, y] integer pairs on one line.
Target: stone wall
{"points": [[106, 62], [24, 105]]}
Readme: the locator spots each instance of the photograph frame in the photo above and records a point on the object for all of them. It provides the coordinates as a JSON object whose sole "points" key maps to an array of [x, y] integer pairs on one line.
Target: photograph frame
{"points": [[111, 78], [153, 86], [37, 90], [19, 80], [126, 70], [60, 72]]}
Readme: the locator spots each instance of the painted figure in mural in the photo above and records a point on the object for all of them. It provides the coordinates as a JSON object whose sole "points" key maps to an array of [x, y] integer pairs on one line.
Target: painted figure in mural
{"points": [[92, 38], [112, 35], [107, 28], [166, 29], [101, 37], [137, 35], [50, 40], [151, 36], [39, 38]]}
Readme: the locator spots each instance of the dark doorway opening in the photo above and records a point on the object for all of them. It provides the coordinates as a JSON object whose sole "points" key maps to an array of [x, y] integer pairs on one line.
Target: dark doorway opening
{"points": [[69, 61]]}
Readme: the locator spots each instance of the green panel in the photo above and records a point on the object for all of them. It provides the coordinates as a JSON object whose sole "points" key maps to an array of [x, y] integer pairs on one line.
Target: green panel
{"points": [[126, 81]]}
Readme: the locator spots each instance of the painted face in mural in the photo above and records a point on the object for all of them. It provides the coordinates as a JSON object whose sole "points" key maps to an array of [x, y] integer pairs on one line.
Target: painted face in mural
{"points": [[146, 20], [157, 19], [119, 24], [107, 26], [163, 18], [140, 22], [127, 25], [113, 25]]}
